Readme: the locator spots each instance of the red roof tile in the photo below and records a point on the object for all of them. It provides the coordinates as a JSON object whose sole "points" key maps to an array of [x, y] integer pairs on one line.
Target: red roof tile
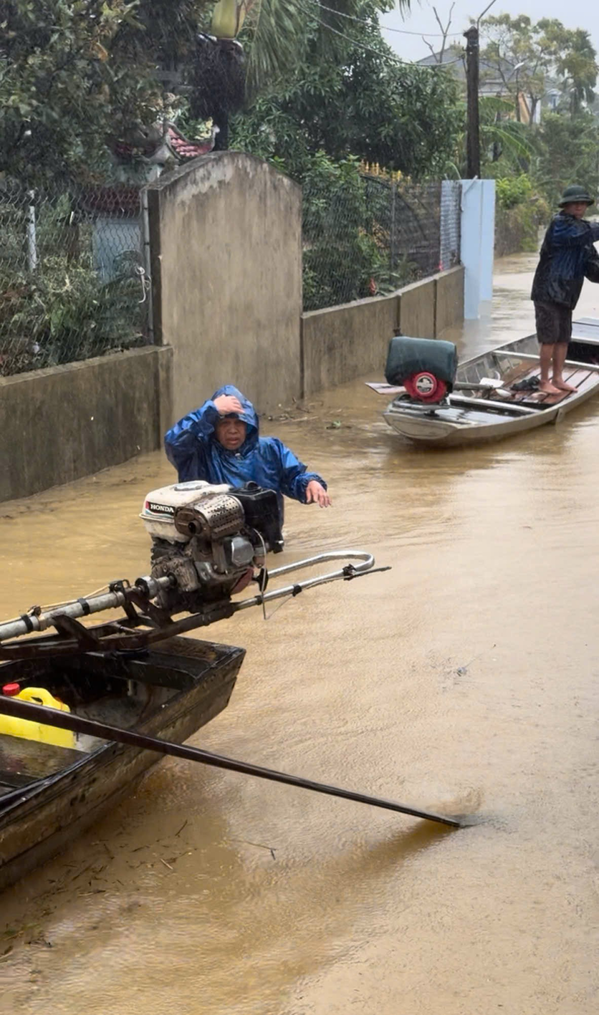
{"points": [[185, 149]]}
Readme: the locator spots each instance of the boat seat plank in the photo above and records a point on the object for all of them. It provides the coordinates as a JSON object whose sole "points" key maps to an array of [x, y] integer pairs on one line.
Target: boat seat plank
{"points": [[30, 760], [587, 329]]}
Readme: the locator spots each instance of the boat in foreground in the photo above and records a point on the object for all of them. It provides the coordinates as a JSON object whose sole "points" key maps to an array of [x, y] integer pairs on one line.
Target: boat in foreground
{"points": [[50, 793], [439, 403], [134, 673]]}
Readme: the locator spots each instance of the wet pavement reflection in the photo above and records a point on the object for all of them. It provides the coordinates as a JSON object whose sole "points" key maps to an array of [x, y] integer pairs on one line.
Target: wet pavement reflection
{"points": [[464, 679]]}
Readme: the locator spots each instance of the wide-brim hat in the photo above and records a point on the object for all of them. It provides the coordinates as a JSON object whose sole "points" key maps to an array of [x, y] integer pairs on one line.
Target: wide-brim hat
{"points": [[576, 195]]}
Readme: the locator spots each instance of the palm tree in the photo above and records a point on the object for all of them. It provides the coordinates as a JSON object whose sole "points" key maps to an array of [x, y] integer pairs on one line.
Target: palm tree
{"points": [[501, 136], [578, 69]]}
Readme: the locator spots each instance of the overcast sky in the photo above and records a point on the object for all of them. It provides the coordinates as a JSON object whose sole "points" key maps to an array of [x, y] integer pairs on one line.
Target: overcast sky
{"points": [[572, 13]]}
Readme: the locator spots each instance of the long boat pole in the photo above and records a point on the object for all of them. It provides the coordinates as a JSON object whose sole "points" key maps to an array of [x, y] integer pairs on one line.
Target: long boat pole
{"points": [[77, 724]]}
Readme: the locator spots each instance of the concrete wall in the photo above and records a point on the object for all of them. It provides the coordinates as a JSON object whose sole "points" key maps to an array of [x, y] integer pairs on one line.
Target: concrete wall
{"points": [[340, 343], [225, 235], [417, 309], [62, 423], [449, 299], [349, 341]]}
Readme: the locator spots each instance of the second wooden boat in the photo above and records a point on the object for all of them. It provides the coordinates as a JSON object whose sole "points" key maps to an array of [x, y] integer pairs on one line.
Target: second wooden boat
{"points": [[493, 395]]}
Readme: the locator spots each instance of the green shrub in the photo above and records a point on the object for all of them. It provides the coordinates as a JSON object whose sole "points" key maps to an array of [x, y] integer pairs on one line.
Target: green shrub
{"points": [[520, 214], [513, 190], [346, 248], [63, 312], [517, 228]]}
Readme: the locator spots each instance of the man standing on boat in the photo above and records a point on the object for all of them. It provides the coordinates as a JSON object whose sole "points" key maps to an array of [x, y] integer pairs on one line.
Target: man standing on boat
{"points": [[220, 443], [566, 258]]}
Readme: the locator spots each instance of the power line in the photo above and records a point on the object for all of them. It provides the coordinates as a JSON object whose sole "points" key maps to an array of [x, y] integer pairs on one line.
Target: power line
{"points": [[383, 56], [422, 35], [400, 31], [369, 49]]}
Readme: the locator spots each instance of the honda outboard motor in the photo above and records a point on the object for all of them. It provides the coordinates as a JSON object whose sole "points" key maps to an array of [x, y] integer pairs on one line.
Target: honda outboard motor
{"points": [[209, 539], [425, 367]]}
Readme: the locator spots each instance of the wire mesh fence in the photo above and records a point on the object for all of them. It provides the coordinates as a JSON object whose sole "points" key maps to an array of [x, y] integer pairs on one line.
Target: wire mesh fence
{"points": [[72, 278], [73, 281], [374, 235]]}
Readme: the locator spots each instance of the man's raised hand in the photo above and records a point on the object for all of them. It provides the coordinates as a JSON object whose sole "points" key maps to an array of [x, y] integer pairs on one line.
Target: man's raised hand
{"points": [[227, 404]]}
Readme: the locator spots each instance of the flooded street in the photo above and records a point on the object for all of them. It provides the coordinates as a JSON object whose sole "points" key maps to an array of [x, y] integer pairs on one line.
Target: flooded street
{"points": [[464, 679]]}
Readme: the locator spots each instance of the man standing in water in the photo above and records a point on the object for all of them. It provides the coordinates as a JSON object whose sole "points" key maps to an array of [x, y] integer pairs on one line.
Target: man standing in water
{"points": [[566, 255], [220, 442]]}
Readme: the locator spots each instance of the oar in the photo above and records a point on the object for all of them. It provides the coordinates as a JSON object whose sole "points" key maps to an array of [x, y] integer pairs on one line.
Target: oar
{"points": [[77, 724]]}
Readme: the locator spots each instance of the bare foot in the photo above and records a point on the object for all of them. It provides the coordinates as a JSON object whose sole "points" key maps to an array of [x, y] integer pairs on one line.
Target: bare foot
{"points": [[548, 388], [562, 385]]}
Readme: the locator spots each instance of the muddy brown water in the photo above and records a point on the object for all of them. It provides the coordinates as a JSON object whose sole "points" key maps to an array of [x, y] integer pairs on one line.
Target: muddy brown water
{"points": [[465, 679]]}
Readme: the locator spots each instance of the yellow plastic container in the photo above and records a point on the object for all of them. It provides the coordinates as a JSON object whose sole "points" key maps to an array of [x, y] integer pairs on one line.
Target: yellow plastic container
{"points": [[29, 730]]}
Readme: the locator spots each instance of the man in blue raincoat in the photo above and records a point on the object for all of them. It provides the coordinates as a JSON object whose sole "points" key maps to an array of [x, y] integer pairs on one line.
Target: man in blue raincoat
{"points": [[220, 443]]}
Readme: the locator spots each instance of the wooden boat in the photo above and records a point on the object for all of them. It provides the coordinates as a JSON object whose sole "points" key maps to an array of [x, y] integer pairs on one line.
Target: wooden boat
{"points": [[48, 794], [477, 412]]}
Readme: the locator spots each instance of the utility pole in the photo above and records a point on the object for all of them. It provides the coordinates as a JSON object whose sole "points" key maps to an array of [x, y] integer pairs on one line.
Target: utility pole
{"points": [[472, 133]]}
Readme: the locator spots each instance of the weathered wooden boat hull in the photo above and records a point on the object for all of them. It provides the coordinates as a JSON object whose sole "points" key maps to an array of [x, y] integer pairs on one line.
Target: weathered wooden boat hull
{"points": [[465, 420], [196, 678]]}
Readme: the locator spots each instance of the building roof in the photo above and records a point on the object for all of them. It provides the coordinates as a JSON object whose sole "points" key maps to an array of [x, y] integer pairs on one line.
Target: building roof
{"points": [[455, 56]]}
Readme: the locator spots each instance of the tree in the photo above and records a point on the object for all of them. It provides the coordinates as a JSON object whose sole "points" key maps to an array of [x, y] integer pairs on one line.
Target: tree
{"points": [[507, 146], [65, 87], [78, 73], [438, 53], [276, 35], [163, 33], [350, 96], [577, 67], [568, 153], [218, 84], [350, 99], [524, 57], [346, 245]]}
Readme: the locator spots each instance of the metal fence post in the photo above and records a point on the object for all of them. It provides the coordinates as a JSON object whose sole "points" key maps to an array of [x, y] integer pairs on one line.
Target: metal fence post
{"points": [[450, 224], [31, 233], [392, 243], [147, 260]]}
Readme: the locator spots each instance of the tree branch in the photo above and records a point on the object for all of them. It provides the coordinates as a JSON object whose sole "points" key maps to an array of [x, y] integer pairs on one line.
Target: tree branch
{"points": [[434, 53], [444, 30]]}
